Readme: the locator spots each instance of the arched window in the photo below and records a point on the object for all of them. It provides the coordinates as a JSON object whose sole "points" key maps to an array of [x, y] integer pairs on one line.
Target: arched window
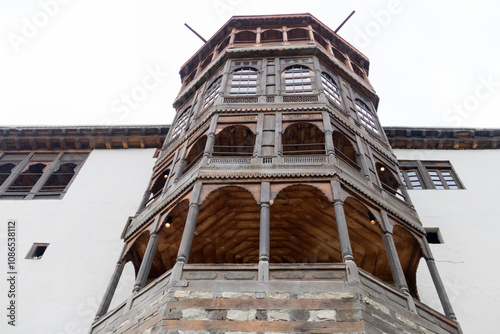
{"points": [[298, 34], [206, 61], [181, 122], [303, 139], [271, 36], [339, 55], [387, 178], [237, 140], [59, 179], [28, 178], [188, 78], [366, 117], [244, 82], [358, 70], [5, 171], [159, 183], [321, 41], [223, 45], [298, 80], [344, 149], [212, 92], [195, 153], [332, 91], [244, 37], [43, 174]]}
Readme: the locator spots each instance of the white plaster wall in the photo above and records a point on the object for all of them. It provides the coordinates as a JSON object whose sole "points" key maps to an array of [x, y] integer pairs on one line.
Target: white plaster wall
{"points": [[60, 293], [469, 221]]}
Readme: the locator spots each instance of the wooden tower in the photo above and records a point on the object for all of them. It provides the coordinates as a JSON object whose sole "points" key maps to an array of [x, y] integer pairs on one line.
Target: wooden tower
{"points": [[276, 203]]}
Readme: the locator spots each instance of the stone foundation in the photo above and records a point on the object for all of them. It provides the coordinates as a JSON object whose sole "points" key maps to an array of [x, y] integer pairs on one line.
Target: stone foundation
{"points": [[216, 305]]}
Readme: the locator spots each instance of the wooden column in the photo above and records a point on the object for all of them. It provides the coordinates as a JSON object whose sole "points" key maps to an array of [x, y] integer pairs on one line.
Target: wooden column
{"points": [[172, 175], [403, 188], [147, 260], [392, 256], [278, 149], [330, 149], [317, 81], [338, 206], [311, 33], [264, 238], [209, 146], [223, 85], [285, 34], [145, 197], [110, 290], [181, 164], [257, 150], [188, 234], [438, 283], [365, 169], [329, 47]]}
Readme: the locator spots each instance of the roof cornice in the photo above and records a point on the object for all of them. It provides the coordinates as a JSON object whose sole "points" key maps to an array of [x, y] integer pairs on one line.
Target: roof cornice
{"points": [[50, 138], [443, 138]]}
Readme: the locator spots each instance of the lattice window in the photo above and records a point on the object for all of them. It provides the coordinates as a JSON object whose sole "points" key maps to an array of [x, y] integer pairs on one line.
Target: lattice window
{"points": [[366, 117], [298, 80], [244, 82], [181, 123], [212, 92], [38, 175], [332, 91]]}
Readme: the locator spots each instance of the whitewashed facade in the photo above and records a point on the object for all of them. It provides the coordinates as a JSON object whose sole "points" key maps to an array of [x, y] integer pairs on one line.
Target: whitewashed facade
{"points": [[467, 221], [61, 291]]}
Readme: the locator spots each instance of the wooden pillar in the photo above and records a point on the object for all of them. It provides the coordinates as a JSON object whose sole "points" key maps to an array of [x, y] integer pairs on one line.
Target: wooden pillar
{"points": [[392, 256], [231, 39], [338, 206], [209, 146], [311, 33], [365, 169], [181, 164], [403, 188], [278, 149], [264, 238], [110, 290], [317, 81], [257, 150], [438, 283], [147, 260], [188, 234], [330, 149], [145, 197], [329, 47], [223, 85]]}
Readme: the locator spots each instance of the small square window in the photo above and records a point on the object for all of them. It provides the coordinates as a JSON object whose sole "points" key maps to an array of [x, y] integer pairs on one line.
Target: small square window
{"points": [[36, 251], [433, 235]]}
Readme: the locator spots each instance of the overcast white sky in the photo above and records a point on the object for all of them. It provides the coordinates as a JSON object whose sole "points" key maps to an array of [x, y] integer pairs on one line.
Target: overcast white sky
{"points": [[71, 62]]}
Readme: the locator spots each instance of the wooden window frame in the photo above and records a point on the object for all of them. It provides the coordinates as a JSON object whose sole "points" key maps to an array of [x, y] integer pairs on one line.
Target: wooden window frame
{"points": [[244, 82], [293, 76], [332, 90], [52, 160], [181, 122], [444, 177], [366, 116], [213, 90]]}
